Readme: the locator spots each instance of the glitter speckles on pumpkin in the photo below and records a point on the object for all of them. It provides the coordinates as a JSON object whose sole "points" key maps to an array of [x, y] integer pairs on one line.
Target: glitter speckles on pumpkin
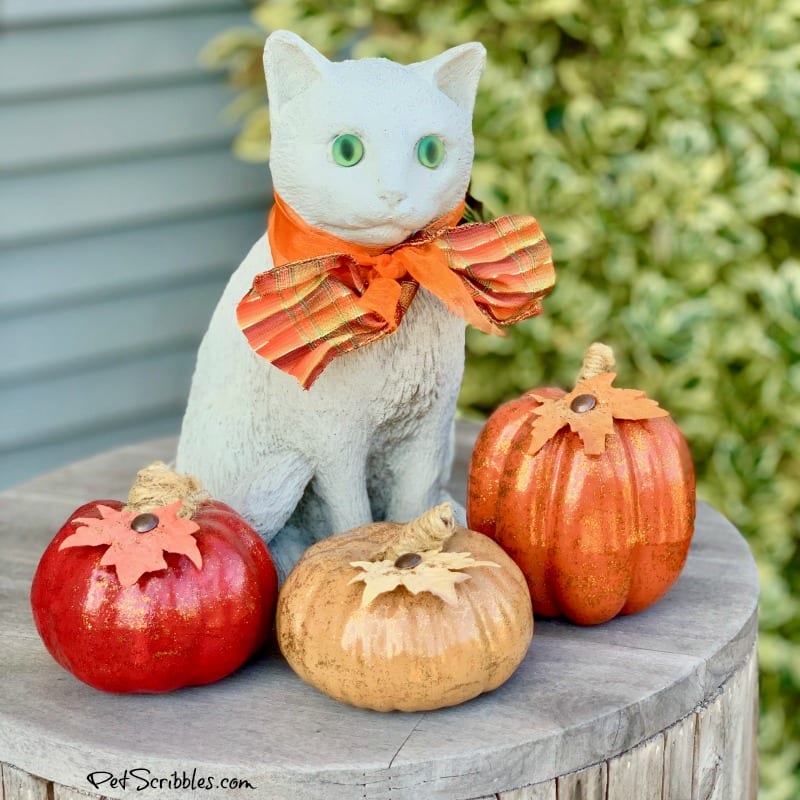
{"points": [[128, 610], [595, 504]]}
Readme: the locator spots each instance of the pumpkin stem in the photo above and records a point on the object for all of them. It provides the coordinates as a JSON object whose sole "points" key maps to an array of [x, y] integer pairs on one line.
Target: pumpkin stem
{"points": [[157, 485], [427, 532], [599, 358]]}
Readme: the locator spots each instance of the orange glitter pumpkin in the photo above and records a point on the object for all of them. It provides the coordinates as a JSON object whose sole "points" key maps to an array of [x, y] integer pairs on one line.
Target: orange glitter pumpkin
{"points": [[591, 492]]}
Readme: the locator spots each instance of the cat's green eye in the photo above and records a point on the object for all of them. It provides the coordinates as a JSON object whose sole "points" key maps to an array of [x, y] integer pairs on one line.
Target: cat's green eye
{"points": [[430, 151], [348, 150]]}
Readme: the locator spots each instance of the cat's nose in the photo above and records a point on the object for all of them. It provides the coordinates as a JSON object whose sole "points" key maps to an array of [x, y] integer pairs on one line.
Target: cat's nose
{"points": [[393, 197]]}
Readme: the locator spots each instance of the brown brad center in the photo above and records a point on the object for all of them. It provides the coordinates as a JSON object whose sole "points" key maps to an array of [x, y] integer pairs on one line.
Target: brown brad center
{"points": [[408, 560], [583, 403], [142, 523]]}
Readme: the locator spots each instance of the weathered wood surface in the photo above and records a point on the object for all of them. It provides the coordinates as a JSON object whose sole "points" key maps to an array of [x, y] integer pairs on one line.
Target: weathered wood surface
{"points": [[657, 705]]}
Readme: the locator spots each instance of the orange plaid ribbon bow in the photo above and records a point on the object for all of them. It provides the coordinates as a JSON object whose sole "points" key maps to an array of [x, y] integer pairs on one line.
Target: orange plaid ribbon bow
{"points": [[326, 296]]}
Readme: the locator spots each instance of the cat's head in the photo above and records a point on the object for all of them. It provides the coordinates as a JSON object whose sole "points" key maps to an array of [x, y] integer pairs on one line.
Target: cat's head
{"points": [[370, 150]]}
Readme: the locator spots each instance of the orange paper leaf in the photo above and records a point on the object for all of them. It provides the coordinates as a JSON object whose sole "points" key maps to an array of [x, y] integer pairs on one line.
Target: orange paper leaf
{"points": [[590, 410], [546, 426], [131, 552]]}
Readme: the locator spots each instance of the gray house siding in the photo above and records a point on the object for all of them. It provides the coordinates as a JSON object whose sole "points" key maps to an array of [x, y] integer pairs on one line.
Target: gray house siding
{"points": [[122, 213]]}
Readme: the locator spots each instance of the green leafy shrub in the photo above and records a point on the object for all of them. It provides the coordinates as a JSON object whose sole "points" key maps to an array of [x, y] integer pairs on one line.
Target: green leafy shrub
{"points": [[657, 143]]}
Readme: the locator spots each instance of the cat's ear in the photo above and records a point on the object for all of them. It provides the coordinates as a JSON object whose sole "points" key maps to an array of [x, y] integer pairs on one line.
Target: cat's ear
{"points": [[290, 65], [456, 72]]}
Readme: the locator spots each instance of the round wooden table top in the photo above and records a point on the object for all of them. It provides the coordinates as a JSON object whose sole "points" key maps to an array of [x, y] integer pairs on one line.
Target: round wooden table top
{"points": [[580, 696]]}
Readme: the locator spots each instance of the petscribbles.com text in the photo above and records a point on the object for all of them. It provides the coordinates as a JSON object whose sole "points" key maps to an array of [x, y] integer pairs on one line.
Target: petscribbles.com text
{"points": [[141, 779]]}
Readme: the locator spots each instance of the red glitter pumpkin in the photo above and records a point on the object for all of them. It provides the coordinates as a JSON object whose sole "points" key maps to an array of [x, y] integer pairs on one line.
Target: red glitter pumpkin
{"points": [[149, 602], [591, 492]]}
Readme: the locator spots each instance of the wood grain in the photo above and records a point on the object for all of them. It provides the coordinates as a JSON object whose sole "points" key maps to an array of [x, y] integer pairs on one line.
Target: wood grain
{"points": [[539, 791], [19, 785], [584, 716], [679, 743], [725, 730], [704, 756], [639, 772], [585, 784], [65, 793]]}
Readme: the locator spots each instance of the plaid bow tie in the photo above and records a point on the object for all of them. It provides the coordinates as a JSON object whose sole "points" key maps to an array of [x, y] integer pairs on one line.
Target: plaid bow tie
{"points": [[339, 296]]}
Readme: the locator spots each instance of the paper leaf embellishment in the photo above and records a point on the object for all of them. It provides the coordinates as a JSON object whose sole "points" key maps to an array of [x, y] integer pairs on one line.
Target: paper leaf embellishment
{"points": [[430, 571], [590, 410], [137, 542]]}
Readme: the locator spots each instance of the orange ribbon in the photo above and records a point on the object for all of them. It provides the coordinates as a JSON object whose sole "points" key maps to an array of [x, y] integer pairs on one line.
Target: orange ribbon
{"points": [[326, 296]]}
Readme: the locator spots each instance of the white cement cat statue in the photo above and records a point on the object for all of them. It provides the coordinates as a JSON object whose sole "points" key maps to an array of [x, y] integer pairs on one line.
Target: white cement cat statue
{"points": [[372, 438]]}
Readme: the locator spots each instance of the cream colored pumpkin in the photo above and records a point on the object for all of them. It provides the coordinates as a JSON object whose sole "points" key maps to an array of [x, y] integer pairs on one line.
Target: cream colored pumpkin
{"points": [[359, 638]]}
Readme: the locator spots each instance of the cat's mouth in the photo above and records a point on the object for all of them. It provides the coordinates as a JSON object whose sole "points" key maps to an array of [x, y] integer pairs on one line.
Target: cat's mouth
{"points": [[380, 234]]}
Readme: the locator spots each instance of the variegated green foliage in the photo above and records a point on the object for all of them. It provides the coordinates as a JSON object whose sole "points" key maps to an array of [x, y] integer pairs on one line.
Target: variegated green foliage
{"points": [[658, 144]]}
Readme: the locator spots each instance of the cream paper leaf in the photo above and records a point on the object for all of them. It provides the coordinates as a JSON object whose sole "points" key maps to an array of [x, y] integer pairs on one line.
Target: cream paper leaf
{"points": [[437, 573]]}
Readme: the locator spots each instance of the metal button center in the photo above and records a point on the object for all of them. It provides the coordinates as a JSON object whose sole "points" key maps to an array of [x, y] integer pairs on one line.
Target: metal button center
{"points": [[408, 560], [583, 403], [144, 522]]}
